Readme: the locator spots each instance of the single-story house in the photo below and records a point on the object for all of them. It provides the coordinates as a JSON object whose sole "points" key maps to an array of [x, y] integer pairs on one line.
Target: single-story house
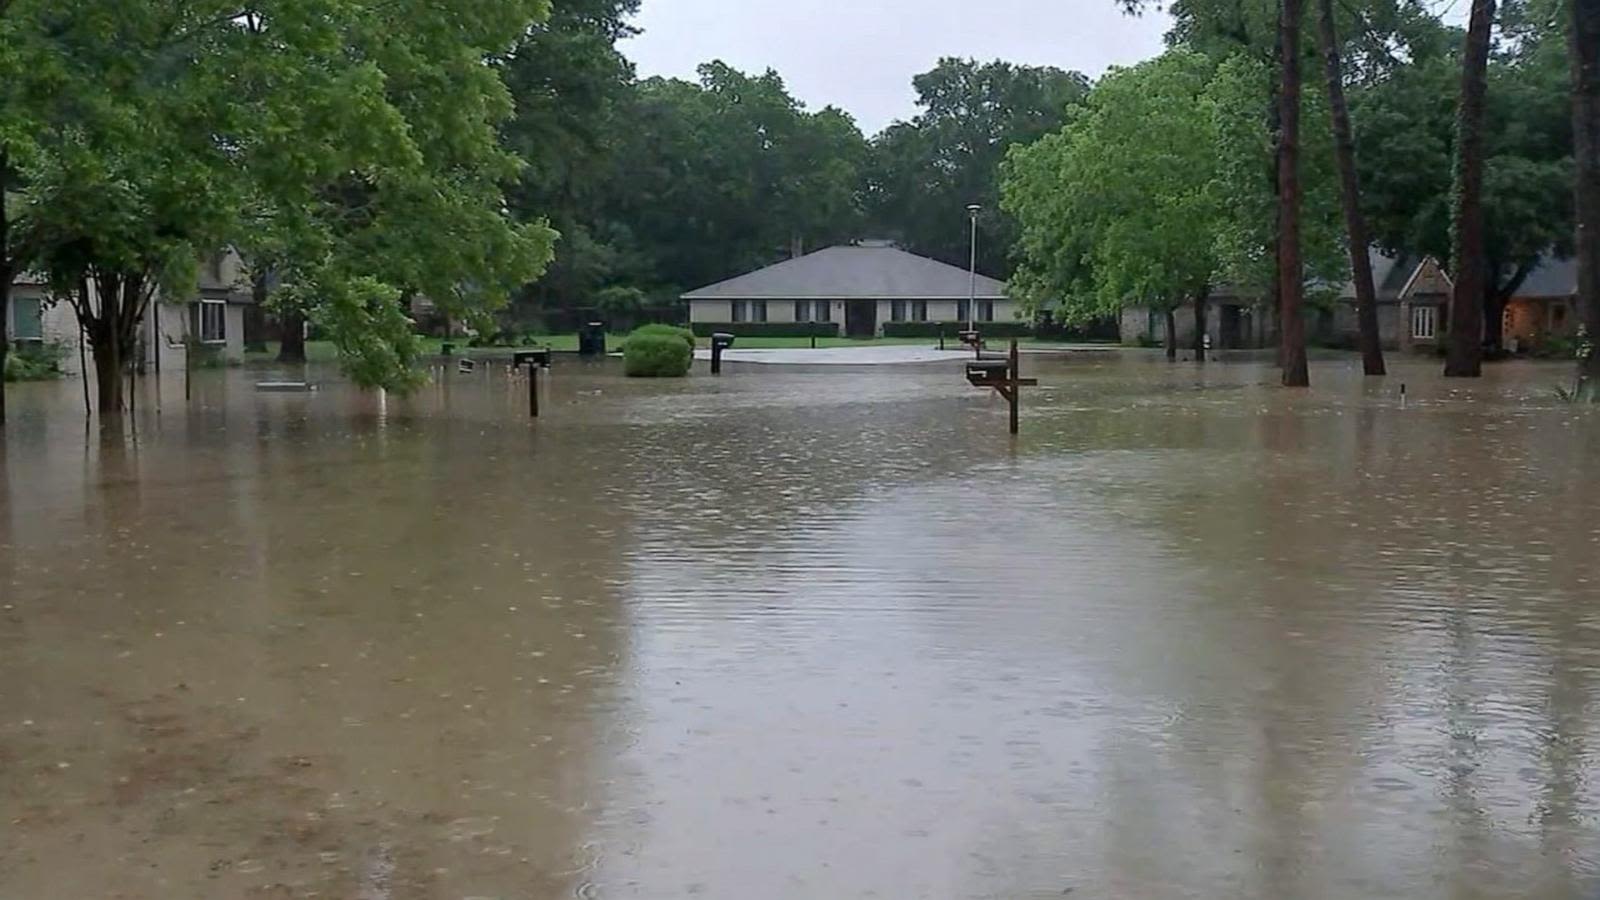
{"points": [[862, 286], [1413, 294], [213, 317], [1545, 306]]}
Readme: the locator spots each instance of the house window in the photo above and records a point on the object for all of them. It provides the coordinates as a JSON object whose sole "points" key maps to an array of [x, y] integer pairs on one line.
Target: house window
{"points": [[741, 311], [897, 310], [213, 322], [802, 310], [824, 310], [1558, 316], [27, 319], [962, 308], [919, 310], [1424, 320], [758, 310], [986, 310]]}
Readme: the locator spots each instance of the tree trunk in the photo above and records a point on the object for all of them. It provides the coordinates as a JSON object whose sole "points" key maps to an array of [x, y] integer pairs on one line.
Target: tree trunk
{"points": [[292, 349], [1172, 335], [107, 354], [1496, 297], [1494, 322], [1464, 350], [1585, 39], [6, 274], [1200, 298], [1291, 277], [1344, 144]]}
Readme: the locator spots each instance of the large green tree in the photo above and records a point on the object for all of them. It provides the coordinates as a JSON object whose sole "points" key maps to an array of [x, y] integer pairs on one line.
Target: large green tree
{"points": [[573, 89], [717, 177], [354, 145], [1121, 207], [922, 174], [1406, 122]]}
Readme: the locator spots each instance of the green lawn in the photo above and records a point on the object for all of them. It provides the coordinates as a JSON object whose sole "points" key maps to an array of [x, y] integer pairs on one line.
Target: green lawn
{"points": [[323, 351]]}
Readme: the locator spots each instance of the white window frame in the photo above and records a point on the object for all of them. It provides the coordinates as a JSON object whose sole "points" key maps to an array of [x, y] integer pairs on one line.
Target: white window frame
{"points": [[1424, 323], [985, 310], [222, 322], [802, 311], [738, 311], [758, 310]]}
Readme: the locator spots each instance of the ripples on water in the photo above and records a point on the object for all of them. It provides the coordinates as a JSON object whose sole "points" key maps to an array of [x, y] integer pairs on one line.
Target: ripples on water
{"points": [[807, 633]]}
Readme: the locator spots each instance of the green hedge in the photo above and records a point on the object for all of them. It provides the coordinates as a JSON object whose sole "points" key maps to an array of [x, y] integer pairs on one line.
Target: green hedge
{"points": [[682, 334], [29, 361], [951, 329], [768, 329], [656, 356]]}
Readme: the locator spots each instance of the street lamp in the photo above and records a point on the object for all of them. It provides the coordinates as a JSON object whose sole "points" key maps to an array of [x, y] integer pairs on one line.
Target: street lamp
{"points": [[972, 293]]}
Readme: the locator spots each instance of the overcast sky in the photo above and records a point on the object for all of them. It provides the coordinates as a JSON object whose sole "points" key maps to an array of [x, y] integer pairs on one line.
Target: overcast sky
{"points": [[860, 55]]}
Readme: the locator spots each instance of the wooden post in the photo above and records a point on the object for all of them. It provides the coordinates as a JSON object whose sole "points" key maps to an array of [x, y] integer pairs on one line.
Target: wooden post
{"points": [[533, 390], [1016, 384]]}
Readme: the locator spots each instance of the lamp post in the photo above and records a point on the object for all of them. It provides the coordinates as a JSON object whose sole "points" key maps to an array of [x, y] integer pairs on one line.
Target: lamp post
{"points": [[972, 290]]}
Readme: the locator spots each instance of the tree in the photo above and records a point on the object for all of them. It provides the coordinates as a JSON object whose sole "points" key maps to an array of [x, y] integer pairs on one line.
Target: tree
{"points": [[1406, 121], [573, 89], [922, 174], [717, 177], [355, 145], [1464, 348], [1584, 38], [1350, 194], [1118, 208]]}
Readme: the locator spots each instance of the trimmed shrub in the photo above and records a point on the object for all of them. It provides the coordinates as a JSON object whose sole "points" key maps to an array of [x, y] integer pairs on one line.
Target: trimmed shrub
{"points": [[683, 334], [767, 329], [951, 329], [656, 356]]}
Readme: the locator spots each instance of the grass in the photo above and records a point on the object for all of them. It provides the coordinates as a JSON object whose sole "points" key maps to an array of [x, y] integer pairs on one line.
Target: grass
{"points": [[323, 351]]}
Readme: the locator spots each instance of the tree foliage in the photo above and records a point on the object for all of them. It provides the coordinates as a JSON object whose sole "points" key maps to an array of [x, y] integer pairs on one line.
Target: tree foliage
{"points": [[922, 174], [353, 146], [1158, 187]]}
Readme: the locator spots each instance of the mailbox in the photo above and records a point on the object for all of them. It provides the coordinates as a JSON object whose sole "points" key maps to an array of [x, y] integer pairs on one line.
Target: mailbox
{"points": [[720, 341], [988, 372], [530, 358]]}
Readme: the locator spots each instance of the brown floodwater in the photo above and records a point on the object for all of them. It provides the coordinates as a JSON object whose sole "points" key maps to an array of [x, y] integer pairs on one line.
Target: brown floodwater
{"points": [[806, 633]]}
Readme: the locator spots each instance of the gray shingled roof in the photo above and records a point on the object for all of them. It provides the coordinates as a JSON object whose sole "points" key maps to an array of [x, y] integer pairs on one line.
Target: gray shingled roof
{"points": [[1553, 278], [857, 272]]}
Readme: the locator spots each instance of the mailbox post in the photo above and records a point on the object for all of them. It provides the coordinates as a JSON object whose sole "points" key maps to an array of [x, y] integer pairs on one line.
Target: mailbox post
{"points": [[720, 341], [1004, 376]]}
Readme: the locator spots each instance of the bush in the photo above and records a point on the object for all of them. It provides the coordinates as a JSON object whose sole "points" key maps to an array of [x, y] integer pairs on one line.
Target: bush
{"points": [[682, 334], [34, 362], [767, 329], [656, 356], [951, 329]]}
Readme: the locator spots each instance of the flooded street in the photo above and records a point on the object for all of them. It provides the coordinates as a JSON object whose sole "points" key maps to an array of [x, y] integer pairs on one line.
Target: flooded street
{"points": [[806, 632]]}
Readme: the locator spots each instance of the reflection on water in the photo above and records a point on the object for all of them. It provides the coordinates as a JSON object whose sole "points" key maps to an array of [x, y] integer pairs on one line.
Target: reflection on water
{"points": [[805, 633]]}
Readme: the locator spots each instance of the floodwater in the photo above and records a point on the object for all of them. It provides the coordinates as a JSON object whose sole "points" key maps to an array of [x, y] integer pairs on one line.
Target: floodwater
{"points": [[806, 633]]}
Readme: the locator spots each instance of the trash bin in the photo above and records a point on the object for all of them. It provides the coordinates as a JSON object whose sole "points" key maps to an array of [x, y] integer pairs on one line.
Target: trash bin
{"points": [[592, 339]]}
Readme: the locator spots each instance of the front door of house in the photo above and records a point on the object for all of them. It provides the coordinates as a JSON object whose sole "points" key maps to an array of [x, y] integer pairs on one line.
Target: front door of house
{"points": [[861, 318]]}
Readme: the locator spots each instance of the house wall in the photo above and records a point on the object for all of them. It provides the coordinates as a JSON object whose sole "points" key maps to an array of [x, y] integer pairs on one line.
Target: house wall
{"points": [[782, 311]]}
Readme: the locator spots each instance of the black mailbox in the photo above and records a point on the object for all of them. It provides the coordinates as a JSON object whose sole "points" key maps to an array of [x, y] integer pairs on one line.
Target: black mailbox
{"points": [[720, 341], [540, 358], [592, 339], [988, 372]]}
